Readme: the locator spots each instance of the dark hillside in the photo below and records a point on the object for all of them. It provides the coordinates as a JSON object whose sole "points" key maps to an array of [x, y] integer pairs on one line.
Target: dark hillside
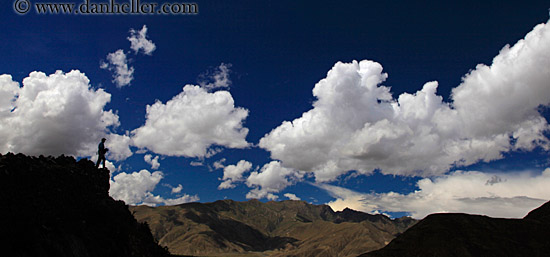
{"points": [[60, 207], [454, 234]]}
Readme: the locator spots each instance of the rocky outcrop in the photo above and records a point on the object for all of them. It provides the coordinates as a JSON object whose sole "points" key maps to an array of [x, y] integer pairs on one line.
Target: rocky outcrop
{"points": [[60, 207]]}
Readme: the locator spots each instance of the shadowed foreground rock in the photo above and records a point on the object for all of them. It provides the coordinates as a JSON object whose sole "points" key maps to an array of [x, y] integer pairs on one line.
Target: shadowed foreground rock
{"points": [[60, 207], [474, 235]]}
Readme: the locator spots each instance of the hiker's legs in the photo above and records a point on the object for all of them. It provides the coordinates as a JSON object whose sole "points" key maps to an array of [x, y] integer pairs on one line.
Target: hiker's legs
{"points": [[99, 159]]}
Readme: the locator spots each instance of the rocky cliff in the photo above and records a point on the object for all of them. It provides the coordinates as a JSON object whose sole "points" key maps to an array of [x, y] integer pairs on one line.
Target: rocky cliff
{"points": [[60, 207]]}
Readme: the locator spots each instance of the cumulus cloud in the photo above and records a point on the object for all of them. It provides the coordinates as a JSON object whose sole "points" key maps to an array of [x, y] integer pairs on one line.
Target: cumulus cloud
{"points": [[136, 188], [271, 179], [154, 162], [118, 64], [192, 123], [505, 195], [9, 91], [119, 147], [218, 78], [292, 197], [234, 173], [356, 124], [139, 41], [56, 114]]}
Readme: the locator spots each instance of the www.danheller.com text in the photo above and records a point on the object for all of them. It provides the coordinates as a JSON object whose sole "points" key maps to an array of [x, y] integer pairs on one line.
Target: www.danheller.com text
{"points": [[110, 7]]}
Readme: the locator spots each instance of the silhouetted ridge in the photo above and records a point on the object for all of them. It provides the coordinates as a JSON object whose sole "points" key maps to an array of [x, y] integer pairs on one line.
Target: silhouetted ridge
{"points": [[464, 235], [541, 214], [60, 207]]}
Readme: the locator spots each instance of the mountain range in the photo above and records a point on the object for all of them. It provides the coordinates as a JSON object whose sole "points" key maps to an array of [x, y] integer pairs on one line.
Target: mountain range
{"points": [[285, 228]]}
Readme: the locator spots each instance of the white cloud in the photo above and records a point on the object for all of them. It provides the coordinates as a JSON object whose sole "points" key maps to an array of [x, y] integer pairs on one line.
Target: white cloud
{"points": [[506, 195], [191, 123], [9, 91], [135, 188], [139, 41], [176, 190], [234, 173], [219, 164], [154, 162], [271, 179], [196, 164], [355, 124], [154, 200], [110, 166], [219, 78], [118, 64], [56, 114], [119, 147], [292, 197]]}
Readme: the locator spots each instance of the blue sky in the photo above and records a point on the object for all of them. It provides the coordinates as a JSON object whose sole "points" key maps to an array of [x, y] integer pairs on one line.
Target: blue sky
{"points": [[210, 97]]}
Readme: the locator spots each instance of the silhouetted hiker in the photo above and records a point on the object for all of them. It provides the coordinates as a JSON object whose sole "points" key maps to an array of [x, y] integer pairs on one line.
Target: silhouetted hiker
{"points": [[101, 151]]}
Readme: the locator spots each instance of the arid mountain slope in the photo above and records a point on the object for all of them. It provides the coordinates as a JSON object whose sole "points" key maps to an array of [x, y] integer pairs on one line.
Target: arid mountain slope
{"points": [[287, 228]]}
